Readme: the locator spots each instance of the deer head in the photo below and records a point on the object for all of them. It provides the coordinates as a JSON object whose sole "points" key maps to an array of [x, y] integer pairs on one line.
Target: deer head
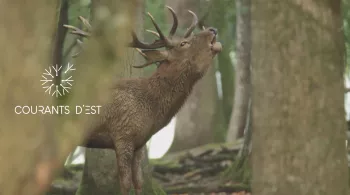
{"points": [[194, 50]]}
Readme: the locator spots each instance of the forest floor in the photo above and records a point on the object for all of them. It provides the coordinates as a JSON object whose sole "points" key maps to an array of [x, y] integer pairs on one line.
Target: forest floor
{"points": [[198, 171], [224, 193]]}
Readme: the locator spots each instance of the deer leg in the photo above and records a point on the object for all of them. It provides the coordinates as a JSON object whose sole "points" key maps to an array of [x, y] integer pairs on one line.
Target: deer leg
{"points": [[137, 170], [124, 153]]}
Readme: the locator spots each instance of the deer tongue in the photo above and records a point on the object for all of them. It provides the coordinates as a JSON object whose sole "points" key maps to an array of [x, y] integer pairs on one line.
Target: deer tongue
{"points": [[216, 47]]}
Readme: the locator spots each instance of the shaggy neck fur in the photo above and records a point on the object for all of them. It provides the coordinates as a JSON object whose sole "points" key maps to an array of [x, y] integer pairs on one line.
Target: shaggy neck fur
{"points": [[174, 84]]}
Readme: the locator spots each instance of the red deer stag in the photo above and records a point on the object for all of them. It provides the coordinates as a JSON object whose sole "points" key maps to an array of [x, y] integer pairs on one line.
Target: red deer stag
{"points": [[140, 107]]}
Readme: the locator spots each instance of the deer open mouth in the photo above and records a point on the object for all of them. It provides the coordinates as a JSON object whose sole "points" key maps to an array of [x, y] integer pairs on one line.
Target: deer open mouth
{"points": [[213, 40]]}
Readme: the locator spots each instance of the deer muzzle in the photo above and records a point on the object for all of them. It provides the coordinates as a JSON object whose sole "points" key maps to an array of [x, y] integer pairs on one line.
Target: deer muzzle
{"points": [[216, 47]]}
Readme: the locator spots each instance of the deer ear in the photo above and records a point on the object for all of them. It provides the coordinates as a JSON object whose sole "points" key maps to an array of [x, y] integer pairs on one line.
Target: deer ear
{"points": [[155, 55], [152, 56]]}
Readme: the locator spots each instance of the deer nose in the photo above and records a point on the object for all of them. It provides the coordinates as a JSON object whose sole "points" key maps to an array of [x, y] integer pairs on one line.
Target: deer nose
{"points": [[213, 30]]}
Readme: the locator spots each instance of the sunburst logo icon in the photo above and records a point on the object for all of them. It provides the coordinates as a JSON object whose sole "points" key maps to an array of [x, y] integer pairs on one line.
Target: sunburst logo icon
{"points": [[51, 74]]}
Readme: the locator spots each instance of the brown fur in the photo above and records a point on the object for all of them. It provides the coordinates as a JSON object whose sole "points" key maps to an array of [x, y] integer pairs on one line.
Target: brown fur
{"points": [[140, 107]]}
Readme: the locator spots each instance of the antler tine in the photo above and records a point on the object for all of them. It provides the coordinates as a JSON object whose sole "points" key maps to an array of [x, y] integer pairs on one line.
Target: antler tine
{"points": [[86, 23], [80, 32], [140, 52], [153, 32], [136, 43], [77, 31], [163, 42], [175, 22], [143, 65], [161, 35], [193, 25]]}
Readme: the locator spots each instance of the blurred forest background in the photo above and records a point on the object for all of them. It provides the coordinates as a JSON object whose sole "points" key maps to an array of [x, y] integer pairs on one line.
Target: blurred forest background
{"points": [[205, 135], [207, 147]]}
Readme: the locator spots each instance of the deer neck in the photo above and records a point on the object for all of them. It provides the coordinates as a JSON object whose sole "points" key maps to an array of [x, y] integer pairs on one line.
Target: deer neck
{"points": [[172, 84]]}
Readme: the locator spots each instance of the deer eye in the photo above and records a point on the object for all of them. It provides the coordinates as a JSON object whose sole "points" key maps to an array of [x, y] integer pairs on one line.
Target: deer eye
{"points": [[183, 43]]}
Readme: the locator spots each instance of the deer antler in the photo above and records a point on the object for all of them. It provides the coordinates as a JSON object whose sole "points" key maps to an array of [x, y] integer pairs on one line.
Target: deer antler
{"points": [[136, 43], [193, 25], [175, 22], [163, 40], [78, 31], [153, 32]]}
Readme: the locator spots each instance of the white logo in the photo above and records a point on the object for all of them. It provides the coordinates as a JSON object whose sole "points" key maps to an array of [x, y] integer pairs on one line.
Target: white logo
{"points": [[49, 76]]}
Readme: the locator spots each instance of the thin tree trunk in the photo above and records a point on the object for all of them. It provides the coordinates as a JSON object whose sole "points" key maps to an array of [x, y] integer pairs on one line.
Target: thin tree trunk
{"points": [[298, 98], [242, 70], [195, 120], [220, 17], [60, 34]]}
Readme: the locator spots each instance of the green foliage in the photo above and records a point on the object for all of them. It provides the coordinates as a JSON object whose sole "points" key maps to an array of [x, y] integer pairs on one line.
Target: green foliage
{"points": [[78, 8], [157, 9], [222, 16]]}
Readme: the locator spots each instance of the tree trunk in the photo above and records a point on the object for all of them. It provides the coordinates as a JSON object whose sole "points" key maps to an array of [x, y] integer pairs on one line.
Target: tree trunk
{"points": [[47, 139], [298, 98], [100, 59], [242, 70], [60, 34], [195, 120], [220, 17], [27, 140], [100, 175]]}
